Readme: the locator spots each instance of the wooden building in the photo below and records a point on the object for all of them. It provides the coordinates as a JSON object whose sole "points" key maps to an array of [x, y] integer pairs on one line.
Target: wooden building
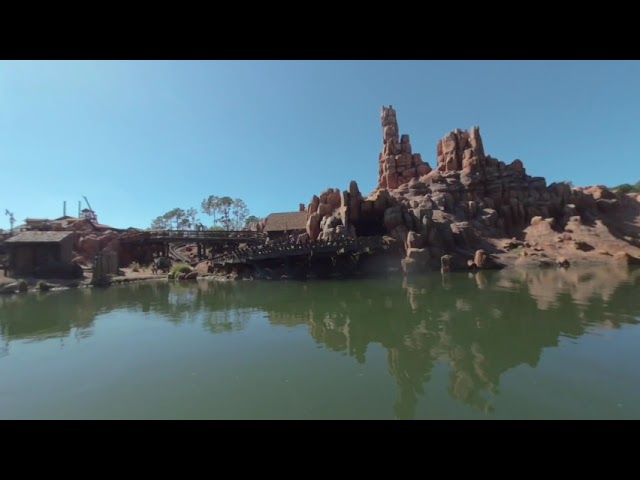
{"points": [[33, 251], [34, 223], [279, 226]]}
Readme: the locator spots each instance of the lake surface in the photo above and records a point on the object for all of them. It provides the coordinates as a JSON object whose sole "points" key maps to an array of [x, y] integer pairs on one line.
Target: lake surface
{"points": [[526, 344]]}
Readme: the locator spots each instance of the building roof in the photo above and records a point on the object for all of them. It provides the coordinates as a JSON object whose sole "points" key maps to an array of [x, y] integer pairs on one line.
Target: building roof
{"points": [[39, 237], [279, 222]]}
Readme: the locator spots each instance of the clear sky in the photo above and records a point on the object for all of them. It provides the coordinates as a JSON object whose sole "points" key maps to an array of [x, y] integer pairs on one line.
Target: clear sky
{"points": [[139, 138]]}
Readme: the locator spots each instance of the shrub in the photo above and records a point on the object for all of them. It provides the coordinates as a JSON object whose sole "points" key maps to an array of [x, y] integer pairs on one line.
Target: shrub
{"points": [[43, 286], [135, 267], [180, 268]]}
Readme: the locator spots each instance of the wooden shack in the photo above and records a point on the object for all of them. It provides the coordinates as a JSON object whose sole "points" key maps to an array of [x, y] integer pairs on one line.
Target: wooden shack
{"points": [[279, 226], [33, 250]]}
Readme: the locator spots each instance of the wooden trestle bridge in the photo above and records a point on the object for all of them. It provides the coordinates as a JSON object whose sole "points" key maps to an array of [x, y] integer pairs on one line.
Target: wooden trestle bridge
{"points": [[321, 248], [163, 242], [246, 247]]}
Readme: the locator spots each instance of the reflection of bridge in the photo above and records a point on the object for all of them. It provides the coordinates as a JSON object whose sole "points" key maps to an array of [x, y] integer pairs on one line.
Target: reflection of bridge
{"points": [[322, 248], [198, 236]]}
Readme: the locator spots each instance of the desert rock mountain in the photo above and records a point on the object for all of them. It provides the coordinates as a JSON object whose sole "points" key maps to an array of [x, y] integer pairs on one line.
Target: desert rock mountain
{"points": [[472, 201]]}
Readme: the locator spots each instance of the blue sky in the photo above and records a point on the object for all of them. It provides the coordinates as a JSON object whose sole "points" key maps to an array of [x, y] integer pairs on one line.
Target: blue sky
{"points": [[139, 138]]}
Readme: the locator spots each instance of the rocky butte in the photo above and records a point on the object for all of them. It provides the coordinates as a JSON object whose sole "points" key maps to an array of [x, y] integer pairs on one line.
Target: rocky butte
{"points": [[475, 211]]}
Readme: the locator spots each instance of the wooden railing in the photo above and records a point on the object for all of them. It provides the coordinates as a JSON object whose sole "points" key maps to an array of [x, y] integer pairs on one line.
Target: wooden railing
{"points": [[208, 234], [241, 236]]}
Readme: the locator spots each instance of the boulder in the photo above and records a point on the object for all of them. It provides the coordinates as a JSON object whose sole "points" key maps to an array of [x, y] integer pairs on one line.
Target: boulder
{"points": [[416, 260], [414, 240], [393, 217], [445, 263], [10, 288], [313, 225], [325, 209], [625, 258], [80, 260], [481, 259]]}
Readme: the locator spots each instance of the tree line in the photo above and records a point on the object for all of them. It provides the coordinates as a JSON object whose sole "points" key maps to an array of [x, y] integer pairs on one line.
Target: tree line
{"points": [[227, 214]]}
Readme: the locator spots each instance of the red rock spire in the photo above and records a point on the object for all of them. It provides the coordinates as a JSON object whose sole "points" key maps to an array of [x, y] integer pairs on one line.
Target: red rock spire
{"points": [[398, 165]]}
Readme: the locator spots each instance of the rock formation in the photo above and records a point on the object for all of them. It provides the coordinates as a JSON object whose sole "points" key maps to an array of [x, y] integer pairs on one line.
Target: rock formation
{"points": [[398, 163], [470, 204]]}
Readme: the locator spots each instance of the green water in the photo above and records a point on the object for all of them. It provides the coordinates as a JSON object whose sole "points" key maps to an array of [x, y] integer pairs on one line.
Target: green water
{"points": [[510, 344]]}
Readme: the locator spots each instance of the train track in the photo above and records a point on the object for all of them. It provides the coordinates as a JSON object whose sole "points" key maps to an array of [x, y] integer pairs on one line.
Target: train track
{"points": [[173, 251]]}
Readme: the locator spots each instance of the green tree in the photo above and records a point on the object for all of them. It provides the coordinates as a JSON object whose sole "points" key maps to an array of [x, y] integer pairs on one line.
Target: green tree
{"points": [[211, 206], [239, 212], [190, 219], [624, 188], [229, 213], [251, 219], [160, 223], [225, 205], [177, 219]]}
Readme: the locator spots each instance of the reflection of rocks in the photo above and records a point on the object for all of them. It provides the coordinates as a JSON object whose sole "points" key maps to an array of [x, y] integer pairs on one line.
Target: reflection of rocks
{"points": [[480, 325], [581, 284], [487, 325]]}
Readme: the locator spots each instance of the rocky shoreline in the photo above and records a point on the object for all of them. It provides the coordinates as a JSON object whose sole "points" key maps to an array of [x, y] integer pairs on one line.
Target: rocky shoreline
{"points": [[52, 285]]}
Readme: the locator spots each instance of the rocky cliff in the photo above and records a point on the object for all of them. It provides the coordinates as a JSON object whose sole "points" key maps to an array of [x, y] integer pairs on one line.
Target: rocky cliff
{"points": [[476, 210]]}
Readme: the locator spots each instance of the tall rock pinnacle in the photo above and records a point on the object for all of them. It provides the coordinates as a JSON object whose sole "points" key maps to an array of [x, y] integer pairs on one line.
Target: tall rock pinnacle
{"points": [[398, 165], [460, 150]]}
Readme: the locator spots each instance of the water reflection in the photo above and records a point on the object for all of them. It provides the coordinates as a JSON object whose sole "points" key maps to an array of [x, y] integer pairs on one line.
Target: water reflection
{"points": [[481, 325]]}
